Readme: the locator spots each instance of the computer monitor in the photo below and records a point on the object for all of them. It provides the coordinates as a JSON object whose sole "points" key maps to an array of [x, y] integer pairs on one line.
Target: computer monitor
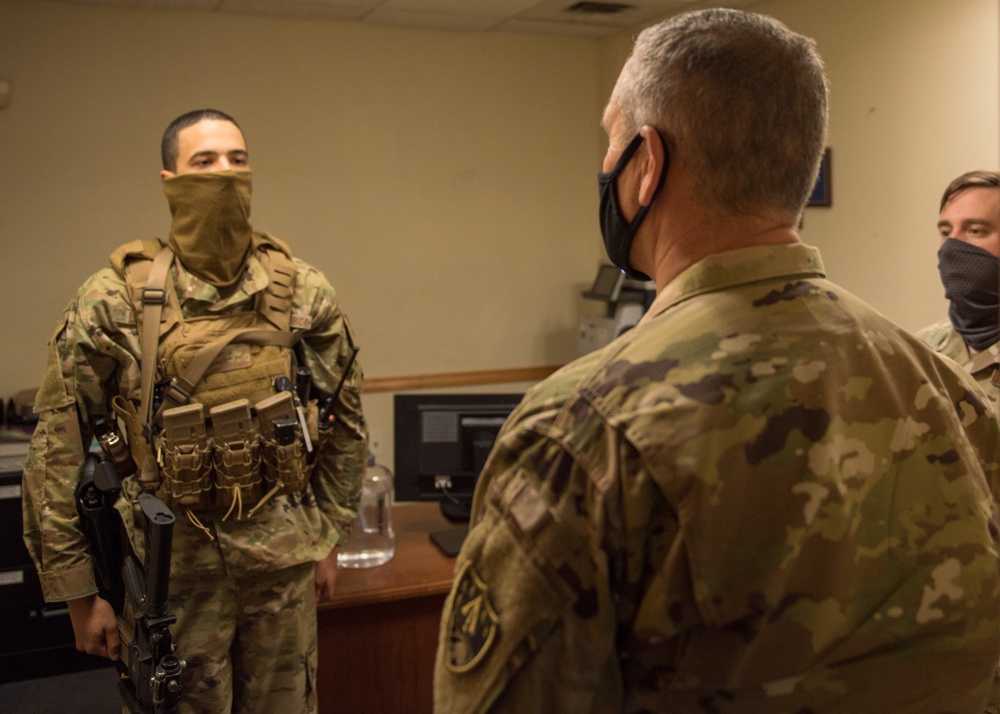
{"points": [[441, 444], [607, 284]]}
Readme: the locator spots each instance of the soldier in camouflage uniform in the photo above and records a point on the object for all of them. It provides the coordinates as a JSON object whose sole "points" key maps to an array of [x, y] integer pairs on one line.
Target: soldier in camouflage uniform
{"points": [[969, 223], [765, 497], [245, 591]]}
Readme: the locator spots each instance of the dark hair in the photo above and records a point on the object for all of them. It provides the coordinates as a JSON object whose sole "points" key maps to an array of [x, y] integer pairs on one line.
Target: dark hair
{"points": [[972, 179], [168, 146]]}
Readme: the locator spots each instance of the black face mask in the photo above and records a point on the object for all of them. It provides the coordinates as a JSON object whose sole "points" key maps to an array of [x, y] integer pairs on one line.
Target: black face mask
{"points": [[969, 275], [619, 233]]}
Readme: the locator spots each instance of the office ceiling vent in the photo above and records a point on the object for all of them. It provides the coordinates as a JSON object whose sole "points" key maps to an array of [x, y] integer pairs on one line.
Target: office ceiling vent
{"points": [[599, 8]]}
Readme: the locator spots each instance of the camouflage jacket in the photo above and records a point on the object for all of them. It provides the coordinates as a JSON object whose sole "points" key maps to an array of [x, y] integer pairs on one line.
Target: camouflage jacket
{"points": [[944, 339], [94, 355], [765, 497]]}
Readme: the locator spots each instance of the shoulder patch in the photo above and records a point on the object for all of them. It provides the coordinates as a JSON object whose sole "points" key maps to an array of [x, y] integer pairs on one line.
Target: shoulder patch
{"points": [[301, 319], [472, 623]]}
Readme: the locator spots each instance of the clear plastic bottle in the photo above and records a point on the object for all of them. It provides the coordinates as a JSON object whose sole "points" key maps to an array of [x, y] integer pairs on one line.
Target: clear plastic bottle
{"points": [[371, 540]]}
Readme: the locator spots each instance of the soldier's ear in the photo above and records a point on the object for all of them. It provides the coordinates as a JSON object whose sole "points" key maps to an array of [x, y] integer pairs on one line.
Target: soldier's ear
{"points": [[654, 163]]}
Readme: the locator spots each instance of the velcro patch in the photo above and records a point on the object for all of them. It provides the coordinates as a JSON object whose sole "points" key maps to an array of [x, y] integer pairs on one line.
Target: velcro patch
{"points": [[301, 320], [122, 315], [472, 623], [232, 357]]}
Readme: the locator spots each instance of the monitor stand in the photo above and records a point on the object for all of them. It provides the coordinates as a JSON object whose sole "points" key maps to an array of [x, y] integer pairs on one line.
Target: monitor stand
{"points": [[450, 540], [456, 512]]}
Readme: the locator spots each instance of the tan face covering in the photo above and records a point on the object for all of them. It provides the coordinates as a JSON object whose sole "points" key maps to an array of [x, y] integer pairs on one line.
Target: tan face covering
{"points": [[210, 231]]}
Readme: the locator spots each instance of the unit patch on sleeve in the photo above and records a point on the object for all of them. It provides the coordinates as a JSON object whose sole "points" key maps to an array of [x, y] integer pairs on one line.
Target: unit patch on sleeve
{"points": [[472, 622], [301, 319]]}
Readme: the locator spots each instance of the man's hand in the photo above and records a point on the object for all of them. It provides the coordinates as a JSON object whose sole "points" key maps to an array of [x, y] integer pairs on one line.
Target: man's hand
{"points": [[95, 626], [326, 576]]}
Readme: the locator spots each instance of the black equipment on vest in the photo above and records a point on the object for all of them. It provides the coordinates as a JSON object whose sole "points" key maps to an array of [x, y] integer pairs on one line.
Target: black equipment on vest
{"points": [[326, 415]]}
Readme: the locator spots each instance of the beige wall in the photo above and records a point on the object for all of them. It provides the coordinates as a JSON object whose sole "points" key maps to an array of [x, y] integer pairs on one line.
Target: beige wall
{"points": [[445, 182], [915, 101]]}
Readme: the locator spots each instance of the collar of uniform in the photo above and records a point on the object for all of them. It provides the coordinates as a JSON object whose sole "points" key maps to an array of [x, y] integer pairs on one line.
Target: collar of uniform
{"points": [[979, 361], [944, 339], [192, 289], [720, 271]]}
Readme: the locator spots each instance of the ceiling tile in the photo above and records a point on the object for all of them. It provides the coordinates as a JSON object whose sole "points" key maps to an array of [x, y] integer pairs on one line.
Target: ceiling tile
{"points": [[309, 9], [639, 11], [490, 8], [545, 27], [534, 16], [432, 20], [161, 4]]}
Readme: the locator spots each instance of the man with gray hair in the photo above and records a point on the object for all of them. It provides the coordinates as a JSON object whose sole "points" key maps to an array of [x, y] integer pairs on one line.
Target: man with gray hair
{"points": [[765, 497]]}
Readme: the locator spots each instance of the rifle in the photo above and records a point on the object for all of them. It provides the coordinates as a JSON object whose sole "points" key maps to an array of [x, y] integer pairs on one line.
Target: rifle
{"points": [[149, 669]]}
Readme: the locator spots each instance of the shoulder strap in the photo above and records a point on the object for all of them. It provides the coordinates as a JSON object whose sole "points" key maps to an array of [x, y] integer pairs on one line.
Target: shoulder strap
{"points": [[152, 297], [182, 387], [275, 304], [147, 277], [134, 262], [982, 360], [145, 248]]}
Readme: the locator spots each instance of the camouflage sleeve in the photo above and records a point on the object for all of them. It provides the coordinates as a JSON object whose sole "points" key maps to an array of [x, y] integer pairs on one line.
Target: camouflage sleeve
{"points": [[529, 625], [84, 361], [326, 348], [983, 429], [51, 531]]}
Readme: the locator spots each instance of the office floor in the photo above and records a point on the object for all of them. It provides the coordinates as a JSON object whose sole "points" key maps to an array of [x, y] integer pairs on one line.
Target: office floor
{"points": [[94, 691]]}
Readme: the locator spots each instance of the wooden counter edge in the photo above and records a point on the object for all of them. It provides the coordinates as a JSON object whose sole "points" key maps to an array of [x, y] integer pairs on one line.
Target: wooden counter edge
{"points": [[372, 597], [418, 568]]}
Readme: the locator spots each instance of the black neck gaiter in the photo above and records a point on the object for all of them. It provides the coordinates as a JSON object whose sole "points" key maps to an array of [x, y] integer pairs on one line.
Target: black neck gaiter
{"points": [[970, 279]]}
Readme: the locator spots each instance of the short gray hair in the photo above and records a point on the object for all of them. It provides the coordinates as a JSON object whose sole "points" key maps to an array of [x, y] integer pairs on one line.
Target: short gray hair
{"points": [[743, 98]]}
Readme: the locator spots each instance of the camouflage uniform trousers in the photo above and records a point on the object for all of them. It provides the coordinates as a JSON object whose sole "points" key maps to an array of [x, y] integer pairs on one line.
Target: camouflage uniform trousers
{"points": [[249, 642]]}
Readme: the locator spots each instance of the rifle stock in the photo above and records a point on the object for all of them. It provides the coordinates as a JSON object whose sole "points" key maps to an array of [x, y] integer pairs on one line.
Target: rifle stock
{"points": [[150, 669]]}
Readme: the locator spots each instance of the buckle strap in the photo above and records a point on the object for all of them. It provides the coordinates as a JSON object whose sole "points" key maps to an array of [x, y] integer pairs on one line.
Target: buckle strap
{"points": [[153, 296], [180, 388], [150, 337], [177, 394]]}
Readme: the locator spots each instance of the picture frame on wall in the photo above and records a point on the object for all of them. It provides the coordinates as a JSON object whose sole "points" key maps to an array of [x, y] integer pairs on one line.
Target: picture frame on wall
{"points": [[822, 193]]}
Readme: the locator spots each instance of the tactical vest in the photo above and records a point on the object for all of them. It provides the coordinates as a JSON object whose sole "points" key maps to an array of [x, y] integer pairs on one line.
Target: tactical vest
{"points": [[218, 425]]}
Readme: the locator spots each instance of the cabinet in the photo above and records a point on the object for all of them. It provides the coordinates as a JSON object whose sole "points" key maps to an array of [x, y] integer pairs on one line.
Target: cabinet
{"points": [[37, 639], [378, 635]]}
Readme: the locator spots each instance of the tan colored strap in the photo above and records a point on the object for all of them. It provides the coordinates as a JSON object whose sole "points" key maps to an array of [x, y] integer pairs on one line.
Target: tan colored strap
{"points": [[153, 296], [181, 388], [145, 249], [981, 360], [275, 301], [133, 261]]}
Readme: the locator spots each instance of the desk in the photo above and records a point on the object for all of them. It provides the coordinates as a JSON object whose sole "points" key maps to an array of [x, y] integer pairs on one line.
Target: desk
{"points": [[378, 635]]}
